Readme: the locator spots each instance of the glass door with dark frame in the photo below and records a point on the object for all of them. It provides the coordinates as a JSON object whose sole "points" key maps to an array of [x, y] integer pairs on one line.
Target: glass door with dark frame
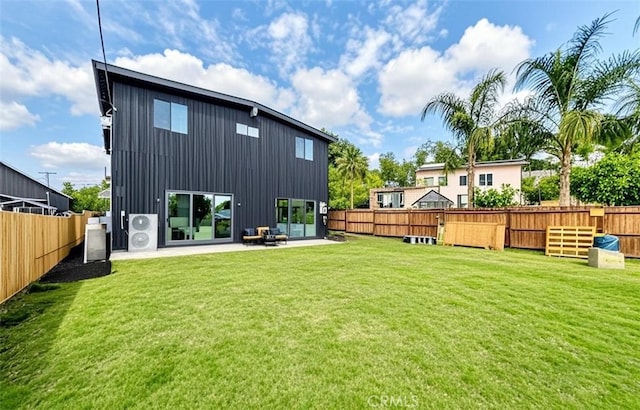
{"points": [[201, 217]]}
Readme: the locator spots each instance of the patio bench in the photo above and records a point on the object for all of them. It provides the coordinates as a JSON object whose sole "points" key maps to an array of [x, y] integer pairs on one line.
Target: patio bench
{"points": [[250, 236]]}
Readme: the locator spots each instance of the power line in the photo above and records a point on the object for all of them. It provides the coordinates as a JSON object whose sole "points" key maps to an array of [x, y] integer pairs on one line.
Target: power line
{"points": [[47, 173], [104, 54]]}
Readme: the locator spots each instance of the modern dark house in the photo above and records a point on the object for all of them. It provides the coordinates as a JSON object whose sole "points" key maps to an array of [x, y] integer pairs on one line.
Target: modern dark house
{"points": [[19, 190], [208, 164]]}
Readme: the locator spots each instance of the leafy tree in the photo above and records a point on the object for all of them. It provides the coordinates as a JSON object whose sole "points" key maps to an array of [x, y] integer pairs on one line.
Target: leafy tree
{"points": [[614, 180], [471, 121], [86, 198], [352, 165], [492, 198], [545, 189], [389, 168], [569, 86]]}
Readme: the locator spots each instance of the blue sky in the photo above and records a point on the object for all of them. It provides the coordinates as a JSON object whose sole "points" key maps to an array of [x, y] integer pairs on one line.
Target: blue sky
{"points": [[362, 69]]}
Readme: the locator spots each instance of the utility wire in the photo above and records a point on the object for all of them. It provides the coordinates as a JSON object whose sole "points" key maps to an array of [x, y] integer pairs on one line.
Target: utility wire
{"points": [[104, 55]]}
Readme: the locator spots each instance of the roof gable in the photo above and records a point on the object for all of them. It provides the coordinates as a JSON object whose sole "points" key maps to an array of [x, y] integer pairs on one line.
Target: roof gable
{"points": [[127, 76], [433, 196]]}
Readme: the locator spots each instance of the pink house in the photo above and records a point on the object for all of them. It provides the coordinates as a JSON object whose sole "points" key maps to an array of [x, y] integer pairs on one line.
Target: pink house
{"points": [[451, 188]]}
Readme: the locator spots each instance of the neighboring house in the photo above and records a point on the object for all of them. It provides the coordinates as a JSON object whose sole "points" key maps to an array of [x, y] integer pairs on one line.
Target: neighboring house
{"points": [[434, 189], [19, 190], [208, 164]]}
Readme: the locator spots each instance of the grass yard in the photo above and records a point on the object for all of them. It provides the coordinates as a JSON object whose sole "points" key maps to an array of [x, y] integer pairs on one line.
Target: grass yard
{"points": [[372, 322]]}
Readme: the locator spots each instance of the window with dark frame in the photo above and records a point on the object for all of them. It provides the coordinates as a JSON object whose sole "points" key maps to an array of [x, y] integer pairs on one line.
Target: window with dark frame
{"points": [[171, 116], [463, 180], [304, 148]]}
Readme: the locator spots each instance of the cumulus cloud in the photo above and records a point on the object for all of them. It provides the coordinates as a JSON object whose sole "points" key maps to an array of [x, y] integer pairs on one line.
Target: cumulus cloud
{"points": [[27, 72], [221, 77], [364, 54], [14, 115], [416, 75], [288, 39], [414, 23], [327, 99], [55, 155]]}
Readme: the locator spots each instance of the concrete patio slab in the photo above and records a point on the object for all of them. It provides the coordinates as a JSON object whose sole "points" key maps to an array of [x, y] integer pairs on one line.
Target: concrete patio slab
{"points": [[203, 249]]}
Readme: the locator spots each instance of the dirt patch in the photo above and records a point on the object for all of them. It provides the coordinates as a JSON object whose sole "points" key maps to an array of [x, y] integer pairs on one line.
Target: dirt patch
{"points": [[73, 268], [338, 237]]}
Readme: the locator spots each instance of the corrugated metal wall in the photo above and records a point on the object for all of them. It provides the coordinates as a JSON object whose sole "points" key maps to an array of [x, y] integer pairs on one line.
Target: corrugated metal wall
{"points": [[15, 184], [147, 162]]}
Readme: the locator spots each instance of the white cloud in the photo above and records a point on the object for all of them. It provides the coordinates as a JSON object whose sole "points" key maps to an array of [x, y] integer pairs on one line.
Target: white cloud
{"points": [[327, 99], [408, 81], [14, 115], [290, 41], [363, 55], [374, 160], [54, 155], [221, 77], [28, 72], [486, 45], [414, 23]]}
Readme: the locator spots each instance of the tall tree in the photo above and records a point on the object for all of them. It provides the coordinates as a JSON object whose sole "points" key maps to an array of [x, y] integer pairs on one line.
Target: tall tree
{"points": [[352, 164], [471, 121], [569, 87]]}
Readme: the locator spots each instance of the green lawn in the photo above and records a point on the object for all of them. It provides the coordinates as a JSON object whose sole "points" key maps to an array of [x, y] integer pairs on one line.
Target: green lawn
{"points": [[342, 326]]}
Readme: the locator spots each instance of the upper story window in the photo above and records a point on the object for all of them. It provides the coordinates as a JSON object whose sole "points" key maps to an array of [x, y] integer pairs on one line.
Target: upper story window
{"points": [[463, 180], [442, 180], [244, 129], [170, 116], [486, 179], [428, 181], [390, 199], [304, 148]]}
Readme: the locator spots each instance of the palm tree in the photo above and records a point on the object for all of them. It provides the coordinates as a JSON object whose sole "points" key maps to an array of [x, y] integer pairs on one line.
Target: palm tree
{"points": [[352, 164], [569, 87], [471, 121]]}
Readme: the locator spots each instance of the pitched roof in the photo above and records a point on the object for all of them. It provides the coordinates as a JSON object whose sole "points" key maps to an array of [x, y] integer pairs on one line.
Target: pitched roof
{"points": [[479, 164], [2, 163], [133, 77], [433, 196]]}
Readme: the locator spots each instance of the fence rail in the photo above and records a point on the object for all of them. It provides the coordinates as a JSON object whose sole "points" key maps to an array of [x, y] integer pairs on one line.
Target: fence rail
{"points": [[30, 245], [525, 227]]}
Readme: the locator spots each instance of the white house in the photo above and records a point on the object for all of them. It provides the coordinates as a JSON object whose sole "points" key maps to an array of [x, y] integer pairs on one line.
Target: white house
{"points": [[451, 187]]}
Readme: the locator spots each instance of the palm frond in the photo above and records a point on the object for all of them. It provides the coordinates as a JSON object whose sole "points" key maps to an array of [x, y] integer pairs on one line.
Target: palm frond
{"points": [[453, 111], [485, 95]]}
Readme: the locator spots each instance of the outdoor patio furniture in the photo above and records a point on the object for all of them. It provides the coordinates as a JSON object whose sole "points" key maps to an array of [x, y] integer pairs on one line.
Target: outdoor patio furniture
{"points": [[251, 236], [280, 236], [267, 237]]}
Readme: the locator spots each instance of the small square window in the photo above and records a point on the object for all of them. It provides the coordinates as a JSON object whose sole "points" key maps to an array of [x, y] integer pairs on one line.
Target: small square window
{"points": [[463, 180], [162, 114], [483, 180], [304, 148], [253, 132], [179, 118], [242, 129], [489, 179], [170, 116], [442, 180], [428, 181], [299, 147]]}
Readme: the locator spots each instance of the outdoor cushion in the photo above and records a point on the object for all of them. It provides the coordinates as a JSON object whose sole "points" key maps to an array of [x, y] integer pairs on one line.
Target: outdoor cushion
{"points": [[249, 232]]}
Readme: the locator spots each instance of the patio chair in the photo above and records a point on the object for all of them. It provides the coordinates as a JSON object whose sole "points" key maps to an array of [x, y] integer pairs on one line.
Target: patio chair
{"points": [[250, 236], [280, 236], [267, 237]]}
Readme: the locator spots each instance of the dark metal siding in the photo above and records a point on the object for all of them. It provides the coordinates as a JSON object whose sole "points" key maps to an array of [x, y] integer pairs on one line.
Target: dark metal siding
{"points": [[147, 162], [16, 184]]}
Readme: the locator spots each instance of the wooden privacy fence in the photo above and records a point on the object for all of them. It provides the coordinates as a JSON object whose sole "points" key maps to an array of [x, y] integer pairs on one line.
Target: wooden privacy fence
{"points": [[30, 245], [525, 227]]}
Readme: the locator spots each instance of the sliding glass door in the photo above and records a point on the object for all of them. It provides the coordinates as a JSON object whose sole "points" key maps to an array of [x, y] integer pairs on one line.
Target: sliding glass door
{"points": [[195, 216], [296, 217]]}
